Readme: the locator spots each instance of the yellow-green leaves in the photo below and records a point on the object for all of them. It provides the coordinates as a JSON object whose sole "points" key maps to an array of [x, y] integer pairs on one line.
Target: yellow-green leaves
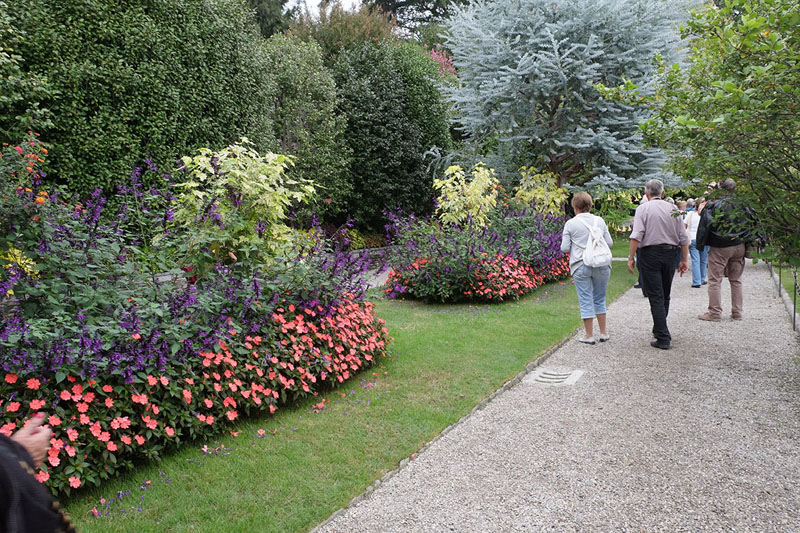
{"points": [[463, 201], [541, 189]]}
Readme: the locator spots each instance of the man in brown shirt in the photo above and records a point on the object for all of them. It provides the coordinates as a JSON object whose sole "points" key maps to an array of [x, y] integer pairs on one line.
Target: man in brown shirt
{"points": [[657, 234]]}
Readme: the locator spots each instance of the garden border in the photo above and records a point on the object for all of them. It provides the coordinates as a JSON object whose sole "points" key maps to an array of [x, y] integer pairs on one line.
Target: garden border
{"points": [[794, 316], [516, 380]]}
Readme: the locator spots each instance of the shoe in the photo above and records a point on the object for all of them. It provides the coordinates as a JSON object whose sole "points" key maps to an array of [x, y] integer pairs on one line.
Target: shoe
{"points": [[708, 317], [704, 283], [637, 286], [660, 345], [735, 317], [587, 340], [603, 337], [696, 286]]}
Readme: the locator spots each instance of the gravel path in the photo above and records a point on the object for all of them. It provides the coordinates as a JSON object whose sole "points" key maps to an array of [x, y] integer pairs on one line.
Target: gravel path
{"points": [[704, 437]]}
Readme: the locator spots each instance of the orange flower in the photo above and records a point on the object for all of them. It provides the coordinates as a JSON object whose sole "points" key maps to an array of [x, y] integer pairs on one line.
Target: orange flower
{"points": [[11, 378], [39, 200]]}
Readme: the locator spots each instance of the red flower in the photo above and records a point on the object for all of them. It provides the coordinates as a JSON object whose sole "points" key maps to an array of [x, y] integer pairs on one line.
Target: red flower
{"points": [[108, 388], [11, 378], [187, 395], [33, 384]]}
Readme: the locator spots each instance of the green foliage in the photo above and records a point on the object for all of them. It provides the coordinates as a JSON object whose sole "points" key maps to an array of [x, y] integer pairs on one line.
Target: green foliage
{"points": [[527, 71], [411, 14], [617, 208], [337, 29], [394, 115], [20, 91], [131, 79], [235, 201], [461, 201], [272, 16], [541, 190], [734, 109], [306, 123]]}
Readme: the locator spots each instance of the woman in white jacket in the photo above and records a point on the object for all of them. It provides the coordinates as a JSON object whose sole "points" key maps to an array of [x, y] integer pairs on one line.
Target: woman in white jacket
{"points": [[590, 282], [699, 257]]}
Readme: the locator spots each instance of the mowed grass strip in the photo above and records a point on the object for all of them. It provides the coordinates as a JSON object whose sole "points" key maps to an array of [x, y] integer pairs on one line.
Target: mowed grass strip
{"points": [[444, 361]]}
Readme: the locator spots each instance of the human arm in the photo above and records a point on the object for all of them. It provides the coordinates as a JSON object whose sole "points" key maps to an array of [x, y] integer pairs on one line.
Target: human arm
{"points": [[684, 265], [566, 239], [632, 254]]}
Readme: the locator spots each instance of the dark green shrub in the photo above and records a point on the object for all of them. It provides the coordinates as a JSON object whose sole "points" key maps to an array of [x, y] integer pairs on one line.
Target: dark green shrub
{"points": [[306, 124], [20, 91], [134, 79], [394, 115], [338, 29]]}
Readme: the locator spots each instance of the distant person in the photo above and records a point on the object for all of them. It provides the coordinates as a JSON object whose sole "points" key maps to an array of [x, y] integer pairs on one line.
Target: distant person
{"points": [[657, 233], [725, 229], [699, 255], [590, 282], [25, 504]]}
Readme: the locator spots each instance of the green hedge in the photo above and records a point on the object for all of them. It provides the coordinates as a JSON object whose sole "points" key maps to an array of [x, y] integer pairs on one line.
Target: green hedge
{"points": [[306, 124], [134, 79], [394, 114]]}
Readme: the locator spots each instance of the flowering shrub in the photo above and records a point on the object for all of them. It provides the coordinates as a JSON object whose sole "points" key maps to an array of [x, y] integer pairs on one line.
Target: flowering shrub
{"points": [[115, 332], [512, 255], [103, 425], [444, 60]]}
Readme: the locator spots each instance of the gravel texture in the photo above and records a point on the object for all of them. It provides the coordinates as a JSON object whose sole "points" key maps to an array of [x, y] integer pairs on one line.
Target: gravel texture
{"points": [[703, 437]]}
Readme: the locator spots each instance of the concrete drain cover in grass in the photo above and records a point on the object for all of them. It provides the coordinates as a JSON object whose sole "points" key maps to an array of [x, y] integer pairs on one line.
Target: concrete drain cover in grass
{"points": [[550, 376]]}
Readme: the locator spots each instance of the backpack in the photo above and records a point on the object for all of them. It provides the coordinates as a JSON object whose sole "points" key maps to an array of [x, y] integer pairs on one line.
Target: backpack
{"points": [[596, 253]]}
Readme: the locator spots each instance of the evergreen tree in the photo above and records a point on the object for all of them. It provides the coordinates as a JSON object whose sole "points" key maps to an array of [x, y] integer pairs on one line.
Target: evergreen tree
{"points": [[527, 72], [272, 15]]}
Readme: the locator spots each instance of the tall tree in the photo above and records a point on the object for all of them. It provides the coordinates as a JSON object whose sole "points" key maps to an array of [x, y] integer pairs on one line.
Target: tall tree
{"points": [[733, 110], [272, 15], [528, 68], [412, 13]]}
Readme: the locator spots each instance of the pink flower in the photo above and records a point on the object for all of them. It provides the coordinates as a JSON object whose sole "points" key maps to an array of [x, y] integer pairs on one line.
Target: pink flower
{"points": [[42, 476], [112, 447], [33, 384], [74, 482]]}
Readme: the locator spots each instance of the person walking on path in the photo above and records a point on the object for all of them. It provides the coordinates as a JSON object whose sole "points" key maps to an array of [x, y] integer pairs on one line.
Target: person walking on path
{"points": [[699, 255], [725, 230], [590, 282], [657, 233]]}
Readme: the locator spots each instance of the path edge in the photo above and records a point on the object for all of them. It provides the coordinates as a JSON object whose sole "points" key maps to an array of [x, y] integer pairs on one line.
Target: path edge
{"points": [[529, 367]]}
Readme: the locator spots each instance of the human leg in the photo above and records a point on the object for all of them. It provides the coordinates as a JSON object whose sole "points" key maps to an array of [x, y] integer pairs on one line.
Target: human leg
{"points": [[695, 255], [583, 286], [704, 263], [652, 266], [717, 260], [600, 277], [735, 270]]}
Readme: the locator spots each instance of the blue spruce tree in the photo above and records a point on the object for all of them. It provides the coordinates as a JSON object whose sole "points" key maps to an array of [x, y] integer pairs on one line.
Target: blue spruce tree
{"points": [[527, 71]]}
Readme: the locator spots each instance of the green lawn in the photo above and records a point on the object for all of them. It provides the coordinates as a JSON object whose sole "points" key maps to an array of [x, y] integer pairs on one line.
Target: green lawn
{"points": [[445, 360], [621, 247]]}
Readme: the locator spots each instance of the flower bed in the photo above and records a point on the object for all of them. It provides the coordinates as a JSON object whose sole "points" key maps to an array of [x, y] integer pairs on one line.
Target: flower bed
{"points": [[167, 318], [513, 254], [103, 425]]}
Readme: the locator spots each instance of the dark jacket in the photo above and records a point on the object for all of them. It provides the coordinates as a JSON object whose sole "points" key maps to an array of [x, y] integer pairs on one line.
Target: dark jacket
{"points": [[25, 504], [722, 224]]}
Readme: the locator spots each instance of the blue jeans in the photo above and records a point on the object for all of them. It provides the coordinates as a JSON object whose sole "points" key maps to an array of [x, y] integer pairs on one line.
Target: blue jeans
{"points": [[699, 263], [591, 284]]}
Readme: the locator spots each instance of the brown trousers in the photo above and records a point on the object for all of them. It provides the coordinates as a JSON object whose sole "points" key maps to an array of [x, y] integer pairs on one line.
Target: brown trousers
{"points": [[721, 262]]}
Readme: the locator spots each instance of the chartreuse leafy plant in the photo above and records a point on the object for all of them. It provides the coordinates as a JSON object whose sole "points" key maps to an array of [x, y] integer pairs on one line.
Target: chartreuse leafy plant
{"points": [[732, 109], [541, 190], [237, 200], [462, 201]]}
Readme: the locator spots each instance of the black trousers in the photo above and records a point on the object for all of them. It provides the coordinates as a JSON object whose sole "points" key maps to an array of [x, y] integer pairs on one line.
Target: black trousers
{"points": [[657, 265]]}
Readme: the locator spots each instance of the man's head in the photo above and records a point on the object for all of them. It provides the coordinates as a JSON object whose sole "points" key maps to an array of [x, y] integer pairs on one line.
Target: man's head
{"points": [[728, 185], [654, 188]]}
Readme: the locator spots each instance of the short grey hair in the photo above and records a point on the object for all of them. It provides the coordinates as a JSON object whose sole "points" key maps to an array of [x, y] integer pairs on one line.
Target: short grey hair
{"points": [[690, 202], [654, 187], [728, 184]]}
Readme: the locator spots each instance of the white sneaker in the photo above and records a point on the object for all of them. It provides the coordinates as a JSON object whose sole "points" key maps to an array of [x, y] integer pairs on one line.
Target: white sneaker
{"points": [[587, 340], [603, 337]]}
